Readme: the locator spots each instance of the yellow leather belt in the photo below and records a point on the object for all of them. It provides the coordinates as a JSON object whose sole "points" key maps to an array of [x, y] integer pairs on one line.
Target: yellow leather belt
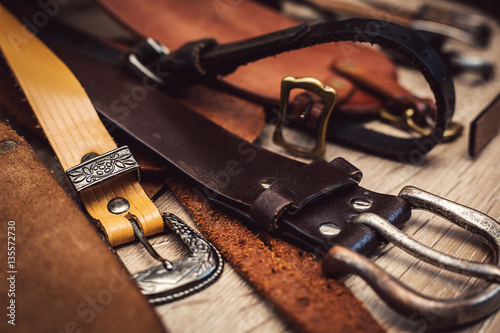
{"points": [[100, 172], [74, 130]]}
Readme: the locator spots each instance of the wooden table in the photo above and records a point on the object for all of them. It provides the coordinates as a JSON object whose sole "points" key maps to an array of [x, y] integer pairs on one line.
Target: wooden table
{"points": [[230, 305]]}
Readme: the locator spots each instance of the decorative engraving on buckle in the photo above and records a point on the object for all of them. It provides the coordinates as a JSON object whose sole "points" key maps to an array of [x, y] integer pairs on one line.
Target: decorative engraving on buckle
{"points": [[327, 94], [101, 168], [172, 280]]}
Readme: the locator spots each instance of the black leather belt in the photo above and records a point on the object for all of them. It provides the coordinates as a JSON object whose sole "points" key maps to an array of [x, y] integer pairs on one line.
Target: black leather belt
{"points": [[205, 59]]}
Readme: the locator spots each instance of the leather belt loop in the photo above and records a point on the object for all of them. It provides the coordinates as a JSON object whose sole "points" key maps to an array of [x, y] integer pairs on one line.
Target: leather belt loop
{"points": [[309, 183]]}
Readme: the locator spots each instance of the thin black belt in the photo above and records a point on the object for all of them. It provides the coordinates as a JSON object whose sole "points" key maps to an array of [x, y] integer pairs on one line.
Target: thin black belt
{"points": [[205, 59]]}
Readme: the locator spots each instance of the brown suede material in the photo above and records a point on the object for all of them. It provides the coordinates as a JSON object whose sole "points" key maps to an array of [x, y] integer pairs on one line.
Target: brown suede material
{"points": [[291, 279], [67, 279]]}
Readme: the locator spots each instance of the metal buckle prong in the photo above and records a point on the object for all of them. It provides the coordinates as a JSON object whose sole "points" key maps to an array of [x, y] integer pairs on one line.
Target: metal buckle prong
{"points": [[446, 311], [147, 245], [327, 94]]}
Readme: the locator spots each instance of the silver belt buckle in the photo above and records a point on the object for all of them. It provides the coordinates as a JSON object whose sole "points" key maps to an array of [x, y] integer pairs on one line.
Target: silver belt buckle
{"points": [[171, 280]]}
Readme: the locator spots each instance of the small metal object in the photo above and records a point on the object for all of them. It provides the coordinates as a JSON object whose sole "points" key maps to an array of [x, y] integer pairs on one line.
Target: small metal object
{"points": [[266, 183], [118, 205], [177, 279], [327, 94], [406, 121], [101, 168], [329, 229], [88, 157], [7, 146], [150, 49], [452, 131], [480, 65], [406, 301], [361, 204]]}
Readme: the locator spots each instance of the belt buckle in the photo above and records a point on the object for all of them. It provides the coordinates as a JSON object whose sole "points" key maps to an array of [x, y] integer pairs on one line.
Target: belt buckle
{"points": [[171, 280], [407, 301], [329, 97]]}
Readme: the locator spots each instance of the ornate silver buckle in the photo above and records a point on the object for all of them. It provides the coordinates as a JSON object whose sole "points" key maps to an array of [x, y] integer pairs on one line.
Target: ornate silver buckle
{"points": [[170, 280]]}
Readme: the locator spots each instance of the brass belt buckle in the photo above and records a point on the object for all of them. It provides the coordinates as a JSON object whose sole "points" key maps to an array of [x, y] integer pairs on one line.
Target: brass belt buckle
{"points": [[403, 299], [170, 280], [327, 94]]}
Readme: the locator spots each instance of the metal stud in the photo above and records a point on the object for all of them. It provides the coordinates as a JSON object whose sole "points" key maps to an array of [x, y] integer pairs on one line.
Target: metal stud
{"points": [[361, 204], [118, 205], [7, 146], [329, 229]]}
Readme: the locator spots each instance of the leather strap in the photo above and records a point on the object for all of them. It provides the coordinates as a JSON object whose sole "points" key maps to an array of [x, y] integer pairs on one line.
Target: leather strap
{"points": [[74, 129], [197, 61], [288, 277], [484, 127], [233, 172], [205, 59], [66, 279]]}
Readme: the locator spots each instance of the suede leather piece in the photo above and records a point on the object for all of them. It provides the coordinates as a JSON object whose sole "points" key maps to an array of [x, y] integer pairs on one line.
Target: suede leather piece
{"points": [[291, 279], [67, 279]]}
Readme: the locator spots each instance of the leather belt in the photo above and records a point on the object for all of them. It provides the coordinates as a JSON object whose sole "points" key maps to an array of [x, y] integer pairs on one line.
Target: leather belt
{"points": [[205, 60], [98, 170], [318, 205]]}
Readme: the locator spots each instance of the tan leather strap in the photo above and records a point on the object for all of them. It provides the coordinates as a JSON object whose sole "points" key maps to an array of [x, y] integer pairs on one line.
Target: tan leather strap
{"points": [[73, 128]]}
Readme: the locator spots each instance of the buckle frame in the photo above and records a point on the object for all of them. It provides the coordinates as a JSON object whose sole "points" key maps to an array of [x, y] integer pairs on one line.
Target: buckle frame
{"points": [[406, 122], [147, 51], [407, 301], [329, 97]]}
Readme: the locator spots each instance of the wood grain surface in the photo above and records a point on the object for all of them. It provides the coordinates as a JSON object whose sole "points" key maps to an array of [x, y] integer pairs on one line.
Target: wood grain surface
{"points": [[230, 305]]}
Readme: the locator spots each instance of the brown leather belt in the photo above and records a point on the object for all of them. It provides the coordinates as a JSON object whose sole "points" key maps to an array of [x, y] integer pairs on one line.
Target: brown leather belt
{"points": [[65, 278], [205, 59]]}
